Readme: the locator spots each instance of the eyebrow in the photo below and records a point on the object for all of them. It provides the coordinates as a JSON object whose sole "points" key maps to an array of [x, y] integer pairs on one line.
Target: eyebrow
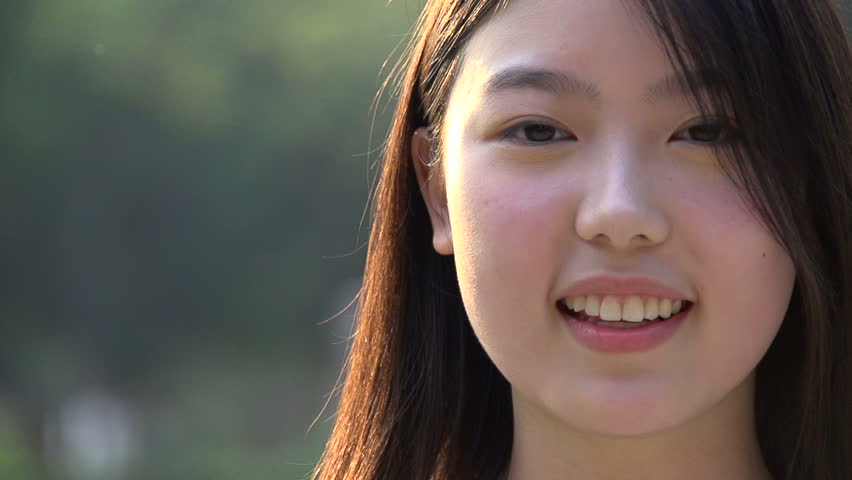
{"points": [[569, 84]]}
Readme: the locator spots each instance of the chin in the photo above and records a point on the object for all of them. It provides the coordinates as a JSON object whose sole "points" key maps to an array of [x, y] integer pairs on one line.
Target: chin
{"points": [[629, 416]]}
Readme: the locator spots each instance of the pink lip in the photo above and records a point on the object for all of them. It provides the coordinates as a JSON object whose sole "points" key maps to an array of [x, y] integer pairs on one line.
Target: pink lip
{"points": [[622, 286], [629, 340]]}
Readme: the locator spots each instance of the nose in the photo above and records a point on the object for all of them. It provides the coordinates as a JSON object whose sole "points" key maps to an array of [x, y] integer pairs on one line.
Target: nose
{"points": [[621, 206]]}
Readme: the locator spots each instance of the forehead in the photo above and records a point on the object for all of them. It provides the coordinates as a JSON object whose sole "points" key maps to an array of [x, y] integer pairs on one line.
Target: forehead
{"points": [[605, 41]]}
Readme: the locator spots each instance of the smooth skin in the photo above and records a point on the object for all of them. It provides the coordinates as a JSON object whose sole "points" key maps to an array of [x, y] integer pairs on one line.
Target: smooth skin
{"points": [[539, 185]]}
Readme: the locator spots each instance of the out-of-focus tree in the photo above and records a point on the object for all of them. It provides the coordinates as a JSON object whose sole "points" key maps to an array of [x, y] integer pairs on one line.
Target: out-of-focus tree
{"points": [[181, 180]]}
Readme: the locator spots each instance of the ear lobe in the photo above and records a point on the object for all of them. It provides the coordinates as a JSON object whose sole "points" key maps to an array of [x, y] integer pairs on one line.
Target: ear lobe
{"points": [[431, 182]]}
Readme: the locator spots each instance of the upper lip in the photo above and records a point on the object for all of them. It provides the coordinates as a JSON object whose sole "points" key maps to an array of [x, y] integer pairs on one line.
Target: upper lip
{"points": [[623, 285]]}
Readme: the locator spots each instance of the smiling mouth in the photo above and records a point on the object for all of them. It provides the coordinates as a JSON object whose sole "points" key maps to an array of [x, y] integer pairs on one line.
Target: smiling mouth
{"points": [[622, 324]]}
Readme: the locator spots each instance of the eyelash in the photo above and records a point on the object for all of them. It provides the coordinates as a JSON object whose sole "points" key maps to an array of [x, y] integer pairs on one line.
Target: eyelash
{"points": [[728, 135], [509, 134]]}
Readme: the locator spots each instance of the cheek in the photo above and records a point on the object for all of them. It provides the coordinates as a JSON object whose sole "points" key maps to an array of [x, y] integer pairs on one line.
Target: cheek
{"points": [[737, 255], [509, 230], [507, 222], [743, 275]]}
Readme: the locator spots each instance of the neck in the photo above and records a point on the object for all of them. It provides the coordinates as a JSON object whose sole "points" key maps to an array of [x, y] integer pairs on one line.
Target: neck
{"points": [[719, 443]]}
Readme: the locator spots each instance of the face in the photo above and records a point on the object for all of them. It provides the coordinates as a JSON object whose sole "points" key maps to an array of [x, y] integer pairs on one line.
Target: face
{"points": [[597, 166]]}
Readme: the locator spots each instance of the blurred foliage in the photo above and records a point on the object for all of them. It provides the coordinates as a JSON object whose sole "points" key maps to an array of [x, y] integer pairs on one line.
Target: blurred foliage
{"points": [[181, 199]]}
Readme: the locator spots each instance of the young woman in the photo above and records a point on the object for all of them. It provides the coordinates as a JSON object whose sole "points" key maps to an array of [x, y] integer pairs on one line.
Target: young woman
{"points": [[611, 240]]}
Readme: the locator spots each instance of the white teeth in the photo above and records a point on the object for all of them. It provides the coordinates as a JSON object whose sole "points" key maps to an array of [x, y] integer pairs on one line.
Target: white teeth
{"points": [[593, 305], [610, 309], [652, 308], [633, 310], [665, 308]]}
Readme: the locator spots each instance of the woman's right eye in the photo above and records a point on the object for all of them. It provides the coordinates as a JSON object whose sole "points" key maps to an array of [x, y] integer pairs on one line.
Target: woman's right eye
{"points": [[536, 133]]}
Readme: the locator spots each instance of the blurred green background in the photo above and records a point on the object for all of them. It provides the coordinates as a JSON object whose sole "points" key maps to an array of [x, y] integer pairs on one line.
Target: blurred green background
{"points": [[183, 183]]}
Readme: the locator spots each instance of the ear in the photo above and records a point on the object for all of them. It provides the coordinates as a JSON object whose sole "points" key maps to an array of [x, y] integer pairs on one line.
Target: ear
{"points": [[431, 181]]}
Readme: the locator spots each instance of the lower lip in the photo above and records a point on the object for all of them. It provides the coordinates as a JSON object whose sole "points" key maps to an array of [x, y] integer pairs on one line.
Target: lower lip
{"points": [[624, 340]]}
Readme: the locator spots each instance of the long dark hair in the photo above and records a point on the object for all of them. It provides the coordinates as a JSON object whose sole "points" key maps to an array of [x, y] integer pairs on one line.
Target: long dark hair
{"points": [[422, 400]]}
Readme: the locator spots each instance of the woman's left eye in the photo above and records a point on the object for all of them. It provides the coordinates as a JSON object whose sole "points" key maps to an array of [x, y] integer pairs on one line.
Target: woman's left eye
{"points": [[709, 132], [536, 133]]}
